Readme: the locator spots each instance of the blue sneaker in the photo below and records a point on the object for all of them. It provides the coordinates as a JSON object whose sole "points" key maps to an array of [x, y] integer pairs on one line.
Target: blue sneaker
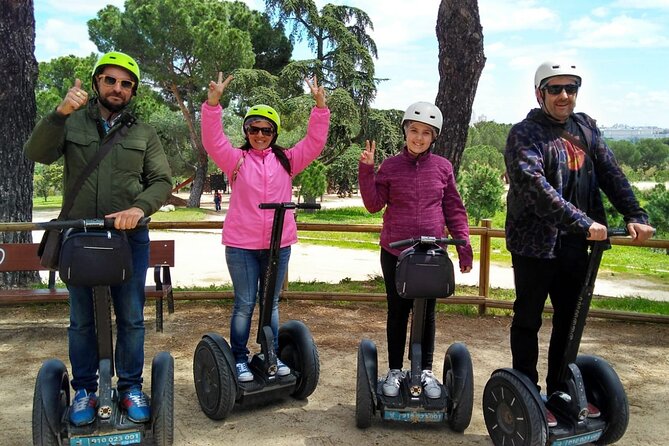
{"points": [[136, 405], [82, 411]]}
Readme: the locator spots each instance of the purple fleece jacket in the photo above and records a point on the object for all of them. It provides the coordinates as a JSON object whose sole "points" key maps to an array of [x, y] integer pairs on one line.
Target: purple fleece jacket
{"points": [[420, 198]]}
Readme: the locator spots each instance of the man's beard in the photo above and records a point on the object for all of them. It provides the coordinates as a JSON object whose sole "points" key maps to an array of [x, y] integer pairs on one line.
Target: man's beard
{"points": [[114, 108]]}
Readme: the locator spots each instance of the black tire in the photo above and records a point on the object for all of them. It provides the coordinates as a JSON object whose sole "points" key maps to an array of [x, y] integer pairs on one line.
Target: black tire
{"points": [[162, 399], [364, 394], [458, 376], [51, 399], [604, 389], [214, 376], [298, 350], [511, 413]]}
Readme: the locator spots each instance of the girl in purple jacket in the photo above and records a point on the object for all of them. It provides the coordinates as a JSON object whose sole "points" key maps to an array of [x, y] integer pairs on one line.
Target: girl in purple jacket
{"points": [[417, 189], [261, 172]]}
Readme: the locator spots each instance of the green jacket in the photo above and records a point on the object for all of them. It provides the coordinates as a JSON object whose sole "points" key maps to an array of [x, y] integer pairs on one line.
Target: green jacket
{"points": [[134, 174]]}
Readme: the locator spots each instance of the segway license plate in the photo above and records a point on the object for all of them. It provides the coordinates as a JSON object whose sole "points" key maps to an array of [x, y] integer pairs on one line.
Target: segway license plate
{"points": [[589, 437], [118, 438], [413, 417]]}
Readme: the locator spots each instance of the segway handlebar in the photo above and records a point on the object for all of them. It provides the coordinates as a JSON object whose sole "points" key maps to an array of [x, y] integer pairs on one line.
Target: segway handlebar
{"points": [[423, 239], [87, 223], [289, 205]]}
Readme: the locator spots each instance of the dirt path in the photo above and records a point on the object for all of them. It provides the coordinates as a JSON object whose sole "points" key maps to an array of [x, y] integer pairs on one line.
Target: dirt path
{"points": [[29, 335]]}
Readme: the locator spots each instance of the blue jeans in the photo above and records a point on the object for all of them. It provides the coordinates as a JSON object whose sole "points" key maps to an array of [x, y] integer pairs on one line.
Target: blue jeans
{"points": [[248, 268], [128, 300]]}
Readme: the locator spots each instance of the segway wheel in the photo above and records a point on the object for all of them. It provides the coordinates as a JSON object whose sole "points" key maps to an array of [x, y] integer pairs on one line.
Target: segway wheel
{"points": [[162, 399], [298, 351], [604, 389], [365, 394], [511, 414], [214, 376], [458, 377], [51, 399]]}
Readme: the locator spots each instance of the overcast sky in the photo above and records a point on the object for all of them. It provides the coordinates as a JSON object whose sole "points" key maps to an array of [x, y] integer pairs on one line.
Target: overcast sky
{"points": [[621, 46]]}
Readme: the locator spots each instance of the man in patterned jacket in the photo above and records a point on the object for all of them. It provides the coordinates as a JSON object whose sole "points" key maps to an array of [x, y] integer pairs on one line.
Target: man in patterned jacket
{"points": [[557, 162]]}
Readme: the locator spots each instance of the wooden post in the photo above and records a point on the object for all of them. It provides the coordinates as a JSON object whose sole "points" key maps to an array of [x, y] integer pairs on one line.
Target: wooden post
{"points": [[484, 262]]}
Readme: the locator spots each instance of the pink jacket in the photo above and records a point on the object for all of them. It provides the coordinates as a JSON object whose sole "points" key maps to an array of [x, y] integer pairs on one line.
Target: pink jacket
{"points": [[260, 179]]}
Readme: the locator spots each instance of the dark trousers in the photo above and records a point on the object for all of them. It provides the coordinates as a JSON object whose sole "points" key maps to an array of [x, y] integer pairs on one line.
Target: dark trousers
{"points": [[398, 317], [535, 279]]}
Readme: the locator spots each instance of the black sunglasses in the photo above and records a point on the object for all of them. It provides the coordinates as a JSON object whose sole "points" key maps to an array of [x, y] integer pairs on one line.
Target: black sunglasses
{"points": [[557, 89], [111, 81], [253, 130]]}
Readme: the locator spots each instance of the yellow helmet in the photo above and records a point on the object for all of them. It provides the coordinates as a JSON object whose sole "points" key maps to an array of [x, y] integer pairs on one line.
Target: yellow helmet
{"points": [[267, 112], [120, 60]]}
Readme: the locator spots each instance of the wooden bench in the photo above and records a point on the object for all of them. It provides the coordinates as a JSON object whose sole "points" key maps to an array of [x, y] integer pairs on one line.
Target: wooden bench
{"points": [[23, 257]]}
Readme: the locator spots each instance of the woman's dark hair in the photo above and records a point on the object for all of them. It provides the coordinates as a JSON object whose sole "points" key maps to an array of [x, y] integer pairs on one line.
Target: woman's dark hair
{"points": [[278, 151]]}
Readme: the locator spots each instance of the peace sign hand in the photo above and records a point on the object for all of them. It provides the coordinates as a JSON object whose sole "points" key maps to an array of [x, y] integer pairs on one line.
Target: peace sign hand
{"points": [[73, 100], [367, 155], [317, 92], [216, 89]]}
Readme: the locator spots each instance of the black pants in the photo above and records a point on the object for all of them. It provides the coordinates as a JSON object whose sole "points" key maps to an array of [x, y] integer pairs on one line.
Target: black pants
{"points": [[398, 317], [535, 279]]}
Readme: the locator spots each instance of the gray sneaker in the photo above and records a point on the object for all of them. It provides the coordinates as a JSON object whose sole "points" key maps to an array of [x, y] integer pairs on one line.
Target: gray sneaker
{"points": [[282, 369], [391, 385], [430, 384], [244, 374]]}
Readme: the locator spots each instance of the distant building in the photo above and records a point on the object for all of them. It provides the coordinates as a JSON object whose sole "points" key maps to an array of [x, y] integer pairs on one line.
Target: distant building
{"points": [[629, 133]]}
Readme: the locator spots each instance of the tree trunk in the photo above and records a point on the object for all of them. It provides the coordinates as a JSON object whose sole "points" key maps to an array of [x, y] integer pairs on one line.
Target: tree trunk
{"points": [[18, 69], [461, 61]]}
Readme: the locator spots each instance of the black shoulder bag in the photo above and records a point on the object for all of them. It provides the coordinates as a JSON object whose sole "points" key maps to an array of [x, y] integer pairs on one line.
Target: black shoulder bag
{"points": [[50, 245]]}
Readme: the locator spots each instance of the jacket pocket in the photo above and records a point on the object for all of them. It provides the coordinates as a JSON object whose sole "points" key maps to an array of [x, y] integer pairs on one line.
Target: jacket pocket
{"points": [[130, 157]]}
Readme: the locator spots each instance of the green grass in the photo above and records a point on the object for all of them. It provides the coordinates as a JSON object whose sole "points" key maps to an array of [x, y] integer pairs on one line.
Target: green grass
{"points": [[626, 260], [183, 214], [52, 202]]}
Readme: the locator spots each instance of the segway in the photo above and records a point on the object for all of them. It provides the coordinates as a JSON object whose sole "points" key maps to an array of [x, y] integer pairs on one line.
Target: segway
{"points": [[515, 412], [111, 426], [214, 369], [455, 404]]}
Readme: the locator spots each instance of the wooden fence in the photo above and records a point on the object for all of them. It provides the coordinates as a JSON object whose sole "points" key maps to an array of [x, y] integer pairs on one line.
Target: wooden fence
{"points": [[482, 300]]}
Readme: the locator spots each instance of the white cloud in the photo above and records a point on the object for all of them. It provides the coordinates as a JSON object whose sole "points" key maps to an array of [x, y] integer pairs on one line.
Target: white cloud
{"points": [[60, 38], [75, 8], [642, 4], [619, 32], [508, 15]]}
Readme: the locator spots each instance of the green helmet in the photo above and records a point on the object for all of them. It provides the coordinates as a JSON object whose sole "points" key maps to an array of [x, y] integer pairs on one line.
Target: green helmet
{"points": [[267, 112], [120, 60]]}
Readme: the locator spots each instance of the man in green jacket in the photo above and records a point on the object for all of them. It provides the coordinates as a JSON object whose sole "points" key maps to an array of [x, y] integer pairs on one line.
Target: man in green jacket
{"points": [[132, 181]]}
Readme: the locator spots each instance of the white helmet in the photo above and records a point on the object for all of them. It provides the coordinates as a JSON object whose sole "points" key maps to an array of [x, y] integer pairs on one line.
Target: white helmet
{"points": [[424, 112], [551, 69]]}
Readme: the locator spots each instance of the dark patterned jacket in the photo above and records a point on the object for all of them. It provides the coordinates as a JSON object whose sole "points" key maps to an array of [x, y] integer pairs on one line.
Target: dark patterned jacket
{"points": [[535, 158]]}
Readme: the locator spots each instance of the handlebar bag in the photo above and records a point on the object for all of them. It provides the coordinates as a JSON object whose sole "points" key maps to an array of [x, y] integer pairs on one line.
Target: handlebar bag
{"points": [[424, 272], [95, 257]]}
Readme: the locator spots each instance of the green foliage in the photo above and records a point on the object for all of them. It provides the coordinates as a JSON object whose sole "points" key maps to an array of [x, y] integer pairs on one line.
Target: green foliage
{"points": [[47, 179], [343, 172], [344, 125], [312, 182], [482, 154], [383, 126], [338, 36], [488, 133], [658, 209], [57, 76], [482, 190]]}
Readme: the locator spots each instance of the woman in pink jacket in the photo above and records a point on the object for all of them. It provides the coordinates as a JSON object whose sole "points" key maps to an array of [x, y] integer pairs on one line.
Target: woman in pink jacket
{"points": [[261, 172]]}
